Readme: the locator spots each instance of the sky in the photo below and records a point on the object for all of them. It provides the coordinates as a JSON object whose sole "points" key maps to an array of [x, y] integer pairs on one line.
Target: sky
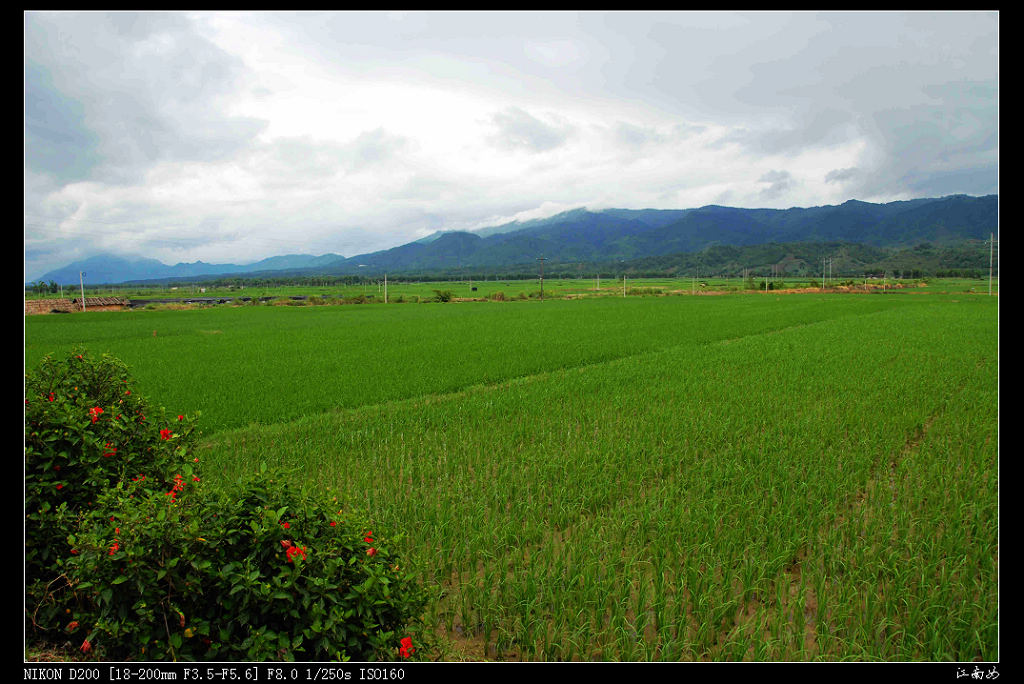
{"points": [[228, 137]]}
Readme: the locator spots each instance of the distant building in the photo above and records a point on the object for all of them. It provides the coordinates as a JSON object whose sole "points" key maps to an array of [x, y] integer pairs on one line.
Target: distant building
{"points": [[45, 306]]}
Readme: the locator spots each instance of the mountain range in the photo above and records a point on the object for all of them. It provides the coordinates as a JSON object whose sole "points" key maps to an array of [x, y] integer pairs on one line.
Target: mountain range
{"points": [[606, 237]]}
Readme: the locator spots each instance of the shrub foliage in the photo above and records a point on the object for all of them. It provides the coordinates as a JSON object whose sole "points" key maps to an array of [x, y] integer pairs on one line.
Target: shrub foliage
{"points": [[130, 554]]}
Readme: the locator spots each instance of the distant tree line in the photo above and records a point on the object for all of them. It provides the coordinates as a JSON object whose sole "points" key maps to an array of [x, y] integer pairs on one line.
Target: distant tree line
{"points": [[41, 287]]}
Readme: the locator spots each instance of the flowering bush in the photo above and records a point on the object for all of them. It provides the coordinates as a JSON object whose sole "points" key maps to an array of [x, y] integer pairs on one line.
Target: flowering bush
{"points": [[155, 564], [300, 583], [262, 573], [85, 432]]}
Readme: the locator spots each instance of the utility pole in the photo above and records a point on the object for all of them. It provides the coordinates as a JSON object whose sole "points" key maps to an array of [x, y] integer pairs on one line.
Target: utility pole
{"points": [[81, 283], [385, 288], [991, 249], [541, 260]]}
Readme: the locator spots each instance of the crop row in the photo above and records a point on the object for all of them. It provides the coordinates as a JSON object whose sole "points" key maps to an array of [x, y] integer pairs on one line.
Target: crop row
{"points": [[780, 483], [241, 366]]}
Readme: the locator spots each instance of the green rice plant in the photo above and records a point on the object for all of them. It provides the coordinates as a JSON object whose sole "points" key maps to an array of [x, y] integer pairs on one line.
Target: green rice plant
{"points": [[674, 478], [249, 357]]}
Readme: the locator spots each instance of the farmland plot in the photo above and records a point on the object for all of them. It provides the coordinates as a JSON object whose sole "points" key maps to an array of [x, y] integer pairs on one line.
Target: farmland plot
{"points": [[739, 478], [824, 490], [270, 364]]}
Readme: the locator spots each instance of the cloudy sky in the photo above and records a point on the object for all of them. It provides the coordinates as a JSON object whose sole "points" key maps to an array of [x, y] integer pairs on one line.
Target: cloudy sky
{"points": [[230, 137]]}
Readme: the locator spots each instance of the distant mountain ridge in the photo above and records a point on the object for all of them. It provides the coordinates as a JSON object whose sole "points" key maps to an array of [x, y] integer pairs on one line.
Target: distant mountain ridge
{"points": [[609, 236], [615, 235], [118, 269]]}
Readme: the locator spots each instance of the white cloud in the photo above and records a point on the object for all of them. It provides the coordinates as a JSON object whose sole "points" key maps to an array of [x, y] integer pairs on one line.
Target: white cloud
{"points": [[520, 130], [231, 136]]}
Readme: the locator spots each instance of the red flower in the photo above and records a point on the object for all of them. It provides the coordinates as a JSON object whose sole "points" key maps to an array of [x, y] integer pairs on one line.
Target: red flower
{"points": [[368, 538], [86, 646], [95, 412], [294, 551], [406, 649], [286, 543], [285, 525], [333, 523], [181, 417], [165, 434], [371, 551], [72, 626]]}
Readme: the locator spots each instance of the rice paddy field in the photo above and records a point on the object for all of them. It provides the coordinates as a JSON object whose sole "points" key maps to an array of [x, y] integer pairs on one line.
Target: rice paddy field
{"points": [[754, 477]]}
